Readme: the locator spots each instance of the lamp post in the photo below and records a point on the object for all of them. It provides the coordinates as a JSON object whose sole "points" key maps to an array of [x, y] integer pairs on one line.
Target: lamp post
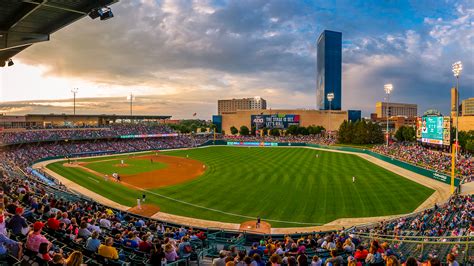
{"points": [[74, 92], [388, 89], [330, 97], [131, 97], [457, 68]]}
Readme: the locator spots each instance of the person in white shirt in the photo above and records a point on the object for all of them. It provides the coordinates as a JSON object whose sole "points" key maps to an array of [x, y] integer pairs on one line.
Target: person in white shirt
{"points": [[139, 206], [221, 260]]}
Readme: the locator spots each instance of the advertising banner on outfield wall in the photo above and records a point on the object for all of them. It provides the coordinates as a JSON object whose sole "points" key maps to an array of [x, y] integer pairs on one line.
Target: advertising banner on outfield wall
{"points": [[280, 121]]}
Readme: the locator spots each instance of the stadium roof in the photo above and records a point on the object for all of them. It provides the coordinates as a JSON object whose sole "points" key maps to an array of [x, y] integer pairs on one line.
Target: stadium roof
{"points": [[25, 22]]}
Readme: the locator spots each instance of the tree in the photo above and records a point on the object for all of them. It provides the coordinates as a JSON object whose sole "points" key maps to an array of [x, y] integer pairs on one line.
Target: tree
{"points": [[405, 133], [360, 132], [233, 130], [470, 146], [244, 131], [302, 131], [275, 132], [409, 134], [292, 130], [203, 129]]}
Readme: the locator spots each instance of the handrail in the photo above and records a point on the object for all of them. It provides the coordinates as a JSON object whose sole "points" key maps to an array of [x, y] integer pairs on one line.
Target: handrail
{"points": [[419, 241], [403, 236]]}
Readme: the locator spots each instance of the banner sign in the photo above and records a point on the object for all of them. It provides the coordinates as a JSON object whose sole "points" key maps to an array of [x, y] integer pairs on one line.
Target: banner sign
{"points": [[280, 121], [251, 143], [149, 136]]}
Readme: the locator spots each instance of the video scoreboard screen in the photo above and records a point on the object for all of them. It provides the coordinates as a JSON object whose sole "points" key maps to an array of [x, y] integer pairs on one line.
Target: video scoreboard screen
{"points": [[280, 121], [435, 130]]}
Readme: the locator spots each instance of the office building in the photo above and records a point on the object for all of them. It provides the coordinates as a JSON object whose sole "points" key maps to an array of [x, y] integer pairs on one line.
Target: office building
{"points": [[255, 103], [329, 69], [396, 109], [468, 107]]}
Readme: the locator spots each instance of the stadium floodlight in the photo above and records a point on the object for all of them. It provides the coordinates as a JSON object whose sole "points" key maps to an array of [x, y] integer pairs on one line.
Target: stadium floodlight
{"points": [[388, 89], [330, 97], [104, 13], [457, 68], [131, 97], [74, 92], [10, 62]]}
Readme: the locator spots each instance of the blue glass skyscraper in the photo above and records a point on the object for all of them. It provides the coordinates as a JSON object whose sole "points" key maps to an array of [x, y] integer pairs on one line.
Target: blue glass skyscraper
{"points": [[329, 65]]}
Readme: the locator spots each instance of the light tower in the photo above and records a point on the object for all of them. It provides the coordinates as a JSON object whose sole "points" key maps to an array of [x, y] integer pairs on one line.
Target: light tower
{"points": [[74, 92], [330, 97], [457, 69], [388, 89]]}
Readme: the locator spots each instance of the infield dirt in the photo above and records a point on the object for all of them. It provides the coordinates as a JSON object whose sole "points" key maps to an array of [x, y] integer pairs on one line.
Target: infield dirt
{"points": [[178, 170]]}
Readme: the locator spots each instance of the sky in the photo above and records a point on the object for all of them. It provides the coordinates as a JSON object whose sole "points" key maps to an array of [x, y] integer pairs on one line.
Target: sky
{"points": [[179, 57]]}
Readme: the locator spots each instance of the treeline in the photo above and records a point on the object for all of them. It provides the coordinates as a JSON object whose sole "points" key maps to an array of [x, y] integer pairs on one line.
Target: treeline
{"points": [[466, 140], [360, 132], [190, 125], [405, 133], [291, 130]]}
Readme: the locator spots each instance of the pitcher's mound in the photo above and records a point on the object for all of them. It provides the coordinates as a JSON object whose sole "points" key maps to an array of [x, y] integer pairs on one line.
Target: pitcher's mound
{"points": [[265, 228], [146, 210]]}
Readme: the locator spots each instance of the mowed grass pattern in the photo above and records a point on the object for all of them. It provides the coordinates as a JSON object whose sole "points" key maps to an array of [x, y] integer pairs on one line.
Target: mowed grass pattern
{"points": [[134, 166], [284, 184]]}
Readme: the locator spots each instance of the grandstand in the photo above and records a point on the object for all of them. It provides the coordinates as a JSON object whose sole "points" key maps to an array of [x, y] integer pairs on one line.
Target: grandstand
{"points": [[69, 219]]}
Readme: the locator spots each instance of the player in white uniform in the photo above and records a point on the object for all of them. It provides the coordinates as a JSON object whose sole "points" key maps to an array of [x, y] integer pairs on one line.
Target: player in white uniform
{"points": [[139, 206], [353, 179]]}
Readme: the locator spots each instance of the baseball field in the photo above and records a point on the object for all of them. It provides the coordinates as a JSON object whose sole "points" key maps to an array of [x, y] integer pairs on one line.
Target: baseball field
{"points": [[288, 187]]}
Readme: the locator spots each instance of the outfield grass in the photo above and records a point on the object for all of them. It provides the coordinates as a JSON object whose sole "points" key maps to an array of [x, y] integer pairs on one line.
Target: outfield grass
{"points": [[285, 184], [135, 166]]}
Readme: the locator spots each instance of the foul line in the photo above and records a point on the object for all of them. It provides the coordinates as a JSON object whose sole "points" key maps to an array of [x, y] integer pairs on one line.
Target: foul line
{"points": [[93, 179], [219, 211]]}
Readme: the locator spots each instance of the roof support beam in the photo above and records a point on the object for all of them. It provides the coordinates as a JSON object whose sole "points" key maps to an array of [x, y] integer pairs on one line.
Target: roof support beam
{"points": [[55, 6], [18, 39], [24, 12]]}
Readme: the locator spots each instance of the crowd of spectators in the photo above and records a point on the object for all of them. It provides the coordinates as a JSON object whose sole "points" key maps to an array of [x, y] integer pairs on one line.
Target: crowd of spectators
{"points": [[360, 246], [37, 225], [427, 158], [24, 155], [111, 131]]}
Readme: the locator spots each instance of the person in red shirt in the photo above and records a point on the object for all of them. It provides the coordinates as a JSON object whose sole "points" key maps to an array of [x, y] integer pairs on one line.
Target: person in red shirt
{"points": [[53, 223], [361, 253], [144, 245]]}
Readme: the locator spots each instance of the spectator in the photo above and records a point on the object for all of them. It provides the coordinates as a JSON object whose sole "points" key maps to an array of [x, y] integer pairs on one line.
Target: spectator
{"points": [[220, 261], [75, 259], [17, 224], [35, 238], [157, 256], [107, 250], [92, 243], [316, 261], [451, 259]]}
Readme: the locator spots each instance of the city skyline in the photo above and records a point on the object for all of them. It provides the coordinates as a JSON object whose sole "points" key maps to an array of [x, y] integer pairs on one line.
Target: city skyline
{"points": [[179, 57]]}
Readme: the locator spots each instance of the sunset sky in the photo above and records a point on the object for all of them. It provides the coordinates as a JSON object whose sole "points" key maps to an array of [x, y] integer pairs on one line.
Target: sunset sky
{"points": [[180, 57]]}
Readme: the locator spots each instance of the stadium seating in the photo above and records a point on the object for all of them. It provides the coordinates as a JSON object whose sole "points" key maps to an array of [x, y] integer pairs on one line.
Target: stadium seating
{"points": [[67, 221]]}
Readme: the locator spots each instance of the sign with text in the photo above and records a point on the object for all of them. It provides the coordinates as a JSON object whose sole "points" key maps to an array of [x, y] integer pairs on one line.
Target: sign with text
{"points": [[280, 121]]}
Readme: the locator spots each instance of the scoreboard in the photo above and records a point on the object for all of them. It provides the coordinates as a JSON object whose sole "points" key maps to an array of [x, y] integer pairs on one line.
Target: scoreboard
{"points": [[280, 121]]}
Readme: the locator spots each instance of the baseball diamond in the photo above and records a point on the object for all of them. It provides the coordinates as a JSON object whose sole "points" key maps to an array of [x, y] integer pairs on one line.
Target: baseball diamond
{"points": [[289, 187]]}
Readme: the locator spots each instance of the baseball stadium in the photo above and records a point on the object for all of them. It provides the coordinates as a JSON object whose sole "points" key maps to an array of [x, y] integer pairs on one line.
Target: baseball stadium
{"points": [[251, 186]]}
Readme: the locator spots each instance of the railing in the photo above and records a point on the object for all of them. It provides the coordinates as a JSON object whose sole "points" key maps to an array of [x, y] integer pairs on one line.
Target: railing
{"points": [[425, 244]]}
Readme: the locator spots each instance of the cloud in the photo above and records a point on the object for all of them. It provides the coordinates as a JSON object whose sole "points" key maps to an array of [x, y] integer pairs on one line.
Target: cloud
{"points": [[192, 53]]}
